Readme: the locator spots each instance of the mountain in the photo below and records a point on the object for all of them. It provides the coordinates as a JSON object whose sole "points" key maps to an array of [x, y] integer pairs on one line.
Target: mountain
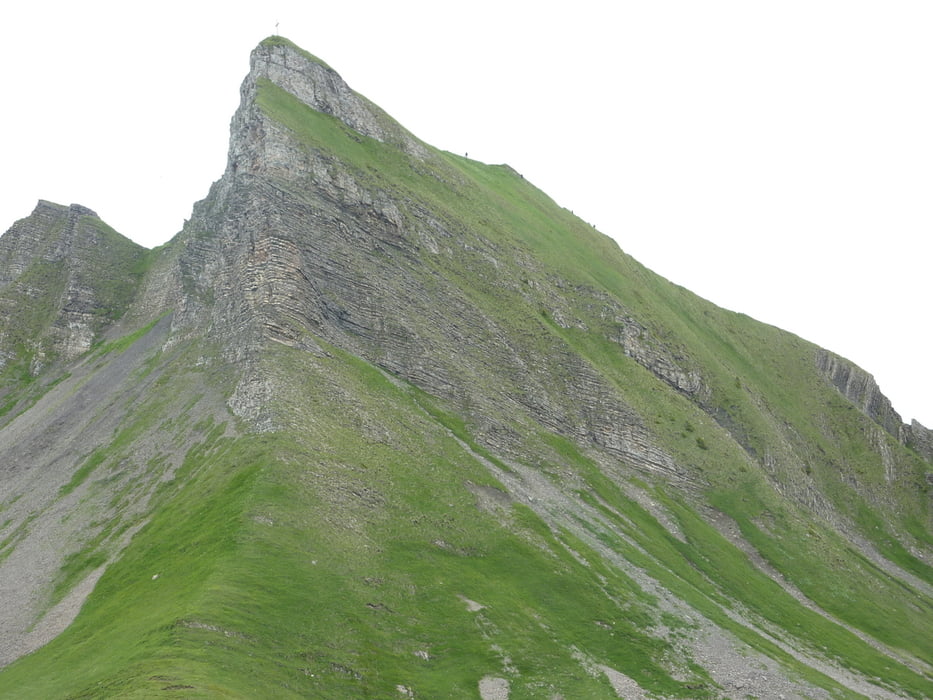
{"points": [[382, 421]]}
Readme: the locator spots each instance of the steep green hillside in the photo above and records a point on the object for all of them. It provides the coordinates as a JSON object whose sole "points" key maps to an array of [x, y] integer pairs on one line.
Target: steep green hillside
{"points": [[382, 421]]}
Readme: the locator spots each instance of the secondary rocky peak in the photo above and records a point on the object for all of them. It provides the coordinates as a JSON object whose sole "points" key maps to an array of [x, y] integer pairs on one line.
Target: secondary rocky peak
{"points": [[72, 210], [64, 276], [417, 381]]}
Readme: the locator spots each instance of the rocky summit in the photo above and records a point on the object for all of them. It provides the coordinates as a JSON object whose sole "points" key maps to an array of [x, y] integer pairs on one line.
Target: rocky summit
{"points": [[385, 422]]}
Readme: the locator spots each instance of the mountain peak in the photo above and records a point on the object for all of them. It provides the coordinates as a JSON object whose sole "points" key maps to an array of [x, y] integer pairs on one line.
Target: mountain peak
{"points": [[315, 84], [65, 275], [414, 394], [50, 232], [280, 41]]}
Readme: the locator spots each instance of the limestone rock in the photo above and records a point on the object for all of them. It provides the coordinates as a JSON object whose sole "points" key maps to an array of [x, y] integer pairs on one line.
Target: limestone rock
{"points": [[920, 438]]}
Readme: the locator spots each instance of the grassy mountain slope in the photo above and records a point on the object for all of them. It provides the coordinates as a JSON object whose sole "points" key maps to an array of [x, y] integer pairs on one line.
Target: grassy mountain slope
{"points": [[399, 426]]}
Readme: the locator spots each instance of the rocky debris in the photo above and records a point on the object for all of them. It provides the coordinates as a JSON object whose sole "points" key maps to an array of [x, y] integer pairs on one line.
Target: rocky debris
{"points": [[493, 688], [471, 605], [489, 498], [53, 516], [624, 686]]}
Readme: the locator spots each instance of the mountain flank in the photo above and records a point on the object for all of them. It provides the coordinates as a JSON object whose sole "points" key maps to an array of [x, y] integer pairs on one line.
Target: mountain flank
{"points": [[382, 421]]}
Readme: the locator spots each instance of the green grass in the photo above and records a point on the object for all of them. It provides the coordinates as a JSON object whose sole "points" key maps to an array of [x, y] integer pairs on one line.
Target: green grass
{"points": [[278, 557], [282, 41], [122, 343]]}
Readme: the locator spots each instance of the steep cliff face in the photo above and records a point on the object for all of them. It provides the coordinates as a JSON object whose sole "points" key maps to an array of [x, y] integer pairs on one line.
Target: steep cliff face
{"points": [[860, 388], [384, 421]]}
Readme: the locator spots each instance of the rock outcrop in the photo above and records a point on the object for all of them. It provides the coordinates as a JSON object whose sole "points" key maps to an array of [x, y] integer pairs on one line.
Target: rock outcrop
{"points": [[859, 387], [322, 89], [920, 438]]}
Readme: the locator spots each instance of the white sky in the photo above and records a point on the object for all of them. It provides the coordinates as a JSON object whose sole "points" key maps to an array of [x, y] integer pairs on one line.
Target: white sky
{"points": [[773, 157]]}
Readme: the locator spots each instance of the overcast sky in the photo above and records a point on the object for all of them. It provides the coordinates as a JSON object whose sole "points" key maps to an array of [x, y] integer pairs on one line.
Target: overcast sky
{"points": [[773, 157]]}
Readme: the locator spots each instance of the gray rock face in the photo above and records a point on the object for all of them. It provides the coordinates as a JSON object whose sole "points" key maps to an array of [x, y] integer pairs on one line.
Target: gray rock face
{"points": [[322, 89], [651, 354], [860, 388], [920, 438]]}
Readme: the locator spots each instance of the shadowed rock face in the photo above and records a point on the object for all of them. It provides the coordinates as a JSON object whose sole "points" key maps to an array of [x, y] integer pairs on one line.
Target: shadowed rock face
{"points": [[65, 276]]}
